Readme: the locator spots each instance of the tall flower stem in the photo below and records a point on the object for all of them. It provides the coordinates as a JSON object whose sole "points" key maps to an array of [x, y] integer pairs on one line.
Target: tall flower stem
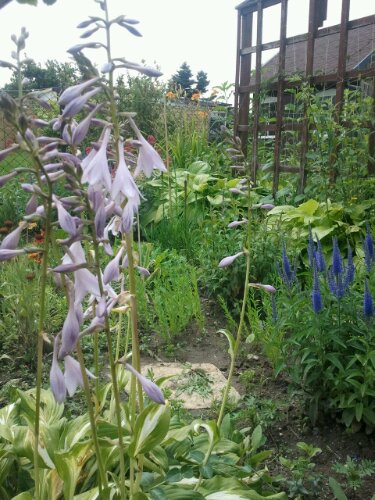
{"points": [[243, 311], [86, 387], [42, 312]]}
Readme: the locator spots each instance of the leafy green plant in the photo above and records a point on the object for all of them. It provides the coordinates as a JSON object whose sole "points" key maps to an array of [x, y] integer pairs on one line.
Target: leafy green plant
{"points": [[169, 297], [353, 472], [301, 478]]}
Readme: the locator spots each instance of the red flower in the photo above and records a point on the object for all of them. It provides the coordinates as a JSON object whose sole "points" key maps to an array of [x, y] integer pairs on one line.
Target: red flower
{"points": [[151, 139]]}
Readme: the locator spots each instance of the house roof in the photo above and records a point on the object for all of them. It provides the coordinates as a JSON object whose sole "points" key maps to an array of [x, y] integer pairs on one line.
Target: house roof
{"points": [[361, 46]]}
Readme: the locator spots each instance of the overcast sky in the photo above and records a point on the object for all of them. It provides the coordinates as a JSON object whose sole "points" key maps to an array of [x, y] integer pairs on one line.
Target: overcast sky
{"points": [[200, 32]]}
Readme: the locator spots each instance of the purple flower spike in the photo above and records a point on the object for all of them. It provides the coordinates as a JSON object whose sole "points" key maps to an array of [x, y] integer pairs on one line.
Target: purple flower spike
{"points": [[74, 91], [267, 206], [227, 261], [150, 388], [316, 296], [56, 377], [368, 302], [337, 267], [9, 254], [70, 331], [148, 158], [369, 241], [73, 375], [10, 242]]}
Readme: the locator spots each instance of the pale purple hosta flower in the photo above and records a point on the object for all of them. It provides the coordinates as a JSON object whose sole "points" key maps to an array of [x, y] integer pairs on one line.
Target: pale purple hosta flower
{"points": [[100, 219], [70, 330], [123, 186], [84, 281], [112, 269], [73, 375], [10, 241], [56, 376], [81, 130], [7, 177], [32, 205], [69, 268], [236, 223], [95, 165], [266, 288], [66, 221], [77, 104], [267, 206], [145, 272], [75, 90], [148, 158], [5, 152], [107, 67], [150, 388], [9, 254], [236, 191], [227, 261]]}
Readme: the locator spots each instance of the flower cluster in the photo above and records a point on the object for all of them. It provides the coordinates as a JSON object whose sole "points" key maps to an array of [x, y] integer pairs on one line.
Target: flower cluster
{"points": [[99, 204]]}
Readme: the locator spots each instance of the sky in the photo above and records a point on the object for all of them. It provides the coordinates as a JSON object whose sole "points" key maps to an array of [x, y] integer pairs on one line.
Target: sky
{"points": [[199, 32]]}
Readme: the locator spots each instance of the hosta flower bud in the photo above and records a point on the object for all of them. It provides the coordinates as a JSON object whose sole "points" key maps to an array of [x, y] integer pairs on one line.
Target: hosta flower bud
{"points": [[150, 388], [227, 261]]}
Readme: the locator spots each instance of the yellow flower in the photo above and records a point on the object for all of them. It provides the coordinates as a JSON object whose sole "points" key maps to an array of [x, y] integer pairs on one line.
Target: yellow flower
{"points": [[170, 95]]}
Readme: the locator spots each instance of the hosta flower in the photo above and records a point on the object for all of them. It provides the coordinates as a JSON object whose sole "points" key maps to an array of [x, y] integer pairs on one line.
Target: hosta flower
{"points": [[148, 158], [73, 375], [77, 104], [236, 223], [150, 388], [227, 261], [112, 270], [74, 91], [266, 288], [10, 242], [56, 376], [9, 254], [95, 165], [70, 330]]}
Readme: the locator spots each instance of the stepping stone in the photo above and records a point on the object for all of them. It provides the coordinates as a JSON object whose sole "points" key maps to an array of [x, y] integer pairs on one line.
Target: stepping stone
{"points": [[196, 385]]}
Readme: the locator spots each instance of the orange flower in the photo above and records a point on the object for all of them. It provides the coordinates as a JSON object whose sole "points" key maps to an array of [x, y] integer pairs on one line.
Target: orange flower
{"points": [[202, 114], [8, 223], [170, 95], [36, 256], [4, 230], [196, 96]]}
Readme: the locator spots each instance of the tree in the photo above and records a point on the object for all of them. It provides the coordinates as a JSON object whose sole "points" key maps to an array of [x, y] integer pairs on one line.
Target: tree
{"points": [[183, 79], [202, 82], [55, 75]]}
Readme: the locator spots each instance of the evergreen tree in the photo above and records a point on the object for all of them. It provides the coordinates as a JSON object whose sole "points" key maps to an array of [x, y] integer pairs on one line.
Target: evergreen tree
{"points": [[183, 79], [202, 82]]}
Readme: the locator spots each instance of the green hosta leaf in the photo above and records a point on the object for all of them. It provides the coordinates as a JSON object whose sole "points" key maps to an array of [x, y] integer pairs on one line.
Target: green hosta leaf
{"points": [[175, 492], [337, 490], [88, 495], [69, 465], [309, 207], [150, 429], [322, 231], [24, 496], [256, 438], [216, 200]]}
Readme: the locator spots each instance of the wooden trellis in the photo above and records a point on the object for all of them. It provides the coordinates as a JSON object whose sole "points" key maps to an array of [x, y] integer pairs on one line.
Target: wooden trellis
{"points": [[248, 83]]}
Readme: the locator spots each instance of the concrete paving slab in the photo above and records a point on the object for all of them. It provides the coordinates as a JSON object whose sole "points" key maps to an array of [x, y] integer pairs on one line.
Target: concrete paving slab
{"points": [[196, 385]]}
